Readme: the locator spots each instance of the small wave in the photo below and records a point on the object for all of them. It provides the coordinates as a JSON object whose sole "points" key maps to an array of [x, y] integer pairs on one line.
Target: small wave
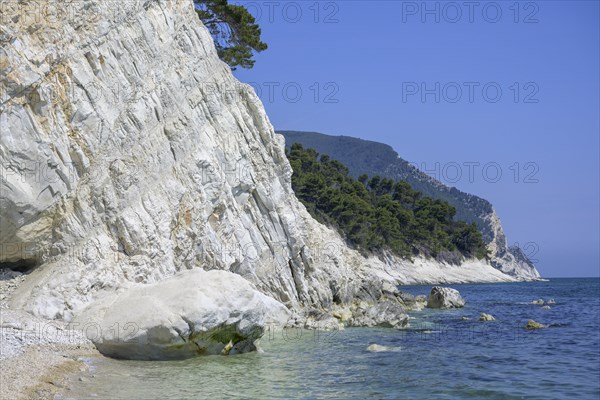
{"points": [[420, 330], [557, 325]]}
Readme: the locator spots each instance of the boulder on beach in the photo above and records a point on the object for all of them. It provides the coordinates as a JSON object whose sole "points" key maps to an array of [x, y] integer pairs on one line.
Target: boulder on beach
{"points": [[443, 297], [531, 324], [486, 317], [193, 313]]}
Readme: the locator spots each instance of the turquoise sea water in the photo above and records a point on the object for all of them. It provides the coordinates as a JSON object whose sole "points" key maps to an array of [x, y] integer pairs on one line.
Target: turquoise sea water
{"points": [[441, 356]]}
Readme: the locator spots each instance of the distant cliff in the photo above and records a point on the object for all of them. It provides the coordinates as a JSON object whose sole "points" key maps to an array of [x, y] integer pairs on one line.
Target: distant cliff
{"points": [[372, 158]]}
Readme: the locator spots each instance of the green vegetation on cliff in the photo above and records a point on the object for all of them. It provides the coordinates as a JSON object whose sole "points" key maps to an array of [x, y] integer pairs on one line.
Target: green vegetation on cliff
{"points": [[373, 158], [234, 30], [375, 214]]}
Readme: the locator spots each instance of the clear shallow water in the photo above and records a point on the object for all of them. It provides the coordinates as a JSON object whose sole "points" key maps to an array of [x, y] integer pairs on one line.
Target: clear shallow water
{"points": [[442, 356]]}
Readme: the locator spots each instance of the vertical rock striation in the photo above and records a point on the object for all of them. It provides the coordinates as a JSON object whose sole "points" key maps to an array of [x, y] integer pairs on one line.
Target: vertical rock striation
{"points": [[509, 260], [130, 153]]}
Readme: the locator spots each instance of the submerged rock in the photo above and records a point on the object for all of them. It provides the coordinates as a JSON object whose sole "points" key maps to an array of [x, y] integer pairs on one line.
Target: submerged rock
{"points": [[376, 348], [546, 308], [486, 317], [551, 301], [538, 302], [531, 324], [443, 297], [193, 313]]}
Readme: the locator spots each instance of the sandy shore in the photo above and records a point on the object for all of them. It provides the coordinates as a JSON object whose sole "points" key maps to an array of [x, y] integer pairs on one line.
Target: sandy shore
{"points": [[41, 372], [36, 356]]}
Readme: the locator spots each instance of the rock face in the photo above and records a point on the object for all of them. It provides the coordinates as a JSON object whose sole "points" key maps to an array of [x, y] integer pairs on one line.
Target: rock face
{"points": [[442, 297], [130, 153], [192, 313], [372, 158], [510, 260]]}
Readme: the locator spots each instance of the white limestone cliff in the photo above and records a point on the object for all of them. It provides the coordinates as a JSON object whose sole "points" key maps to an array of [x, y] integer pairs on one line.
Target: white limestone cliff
{"points": [[130, 153], [510, 260]]}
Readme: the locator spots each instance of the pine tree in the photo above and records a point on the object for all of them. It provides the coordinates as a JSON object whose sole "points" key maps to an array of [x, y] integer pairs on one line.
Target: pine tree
{"points": [[234, 30], [379, 213]]}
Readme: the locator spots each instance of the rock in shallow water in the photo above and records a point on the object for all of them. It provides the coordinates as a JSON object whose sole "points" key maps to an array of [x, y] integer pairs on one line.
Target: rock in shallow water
{"points": [[193, 313], [486, 317], [322, 321], [442, 297], [531, 324], [387, 314]]}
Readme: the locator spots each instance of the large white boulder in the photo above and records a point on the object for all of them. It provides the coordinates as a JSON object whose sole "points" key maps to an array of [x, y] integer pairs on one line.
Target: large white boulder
{"points": [[192, 313], [443, 297]]}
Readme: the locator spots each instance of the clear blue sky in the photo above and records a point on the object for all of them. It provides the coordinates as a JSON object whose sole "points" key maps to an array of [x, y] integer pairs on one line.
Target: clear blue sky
{"points": [[368, 58]]}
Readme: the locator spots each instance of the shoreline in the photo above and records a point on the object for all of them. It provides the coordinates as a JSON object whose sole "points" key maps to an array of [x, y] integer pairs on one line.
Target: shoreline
{"points": [[37, 356], [41, 358], [43, 371]]}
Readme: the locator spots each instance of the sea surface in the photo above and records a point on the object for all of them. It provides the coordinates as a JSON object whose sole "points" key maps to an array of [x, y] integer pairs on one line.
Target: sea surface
{"points": [[441, 356]]}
